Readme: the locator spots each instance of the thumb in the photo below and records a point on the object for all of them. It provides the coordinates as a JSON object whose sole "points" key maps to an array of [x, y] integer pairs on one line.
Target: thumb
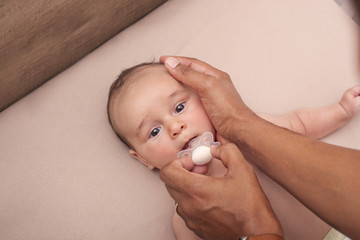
{"points": [[231, 157], [184, 72]]}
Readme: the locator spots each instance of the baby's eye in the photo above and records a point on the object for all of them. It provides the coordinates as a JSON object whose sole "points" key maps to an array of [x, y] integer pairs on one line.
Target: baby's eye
{"points": [[154, 132], [179, 107]]}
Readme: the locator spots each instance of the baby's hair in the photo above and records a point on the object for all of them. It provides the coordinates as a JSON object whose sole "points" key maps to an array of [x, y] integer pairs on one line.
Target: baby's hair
{"points": [[115, 87]]}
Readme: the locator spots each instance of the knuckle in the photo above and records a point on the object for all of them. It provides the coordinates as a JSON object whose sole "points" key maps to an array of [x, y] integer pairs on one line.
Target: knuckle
{"points": [[229, 150], [229, 146], [186, 71], [210, 83], [225, 75]]}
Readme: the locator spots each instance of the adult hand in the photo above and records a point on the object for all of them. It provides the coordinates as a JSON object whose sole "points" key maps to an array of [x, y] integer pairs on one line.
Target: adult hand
{"points": [[216, 90], [221, 208]]}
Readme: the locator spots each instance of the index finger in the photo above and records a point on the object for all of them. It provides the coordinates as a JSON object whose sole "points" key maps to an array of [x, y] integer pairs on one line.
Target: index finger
{"points": [[195, 64], [201, 82]]}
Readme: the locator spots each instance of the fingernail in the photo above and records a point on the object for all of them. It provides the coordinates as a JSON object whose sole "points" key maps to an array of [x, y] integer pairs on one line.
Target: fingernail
{"points": [[172, 62]]}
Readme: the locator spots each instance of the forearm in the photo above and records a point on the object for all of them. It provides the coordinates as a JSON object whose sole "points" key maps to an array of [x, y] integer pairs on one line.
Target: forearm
{"points": [[312, 122], [323, 177], [319, 122]]}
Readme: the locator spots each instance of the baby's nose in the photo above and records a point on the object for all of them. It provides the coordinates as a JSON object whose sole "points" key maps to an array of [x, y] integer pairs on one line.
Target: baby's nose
{"points": [[176, 128]]}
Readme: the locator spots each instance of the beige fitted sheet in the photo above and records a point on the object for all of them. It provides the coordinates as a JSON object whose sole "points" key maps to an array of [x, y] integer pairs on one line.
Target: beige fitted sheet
{"points": [[65, 175]]}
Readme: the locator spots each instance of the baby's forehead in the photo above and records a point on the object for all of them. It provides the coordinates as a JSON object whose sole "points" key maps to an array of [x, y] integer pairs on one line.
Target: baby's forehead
{"points": [[139, 75], [149, 78], [149, 70]]}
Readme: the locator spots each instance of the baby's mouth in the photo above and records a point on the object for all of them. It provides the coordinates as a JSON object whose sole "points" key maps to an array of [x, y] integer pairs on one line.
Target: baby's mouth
{"points": [[189, 143]]}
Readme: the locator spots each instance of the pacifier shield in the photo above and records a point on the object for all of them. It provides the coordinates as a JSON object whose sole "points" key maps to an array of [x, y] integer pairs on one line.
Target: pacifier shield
{"points": [[199, 150]]}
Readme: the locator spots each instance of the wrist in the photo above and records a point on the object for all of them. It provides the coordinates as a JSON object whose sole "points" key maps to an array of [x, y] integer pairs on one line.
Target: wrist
{"points": [[242, 119], [247, 127], [263, 237], [344, 110], [262, 219], [265, 224]]}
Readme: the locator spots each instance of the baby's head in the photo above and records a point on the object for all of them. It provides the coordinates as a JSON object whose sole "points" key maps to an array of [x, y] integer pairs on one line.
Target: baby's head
{"points": [[154, 114]]}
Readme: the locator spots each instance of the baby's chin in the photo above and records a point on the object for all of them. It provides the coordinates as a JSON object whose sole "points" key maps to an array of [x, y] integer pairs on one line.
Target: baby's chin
{"points": [[201, 169]]}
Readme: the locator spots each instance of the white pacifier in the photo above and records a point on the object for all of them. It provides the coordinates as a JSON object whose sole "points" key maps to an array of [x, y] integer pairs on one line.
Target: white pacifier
{"points": [[199, 149]]}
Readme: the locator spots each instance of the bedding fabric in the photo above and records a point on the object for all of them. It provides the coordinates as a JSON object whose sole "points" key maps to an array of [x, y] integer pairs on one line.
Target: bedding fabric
{"points": [[65, 175]]}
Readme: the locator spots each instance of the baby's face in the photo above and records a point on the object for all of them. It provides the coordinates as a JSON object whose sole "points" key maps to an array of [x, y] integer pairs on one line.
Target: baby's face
{"points": [[158, 116]]}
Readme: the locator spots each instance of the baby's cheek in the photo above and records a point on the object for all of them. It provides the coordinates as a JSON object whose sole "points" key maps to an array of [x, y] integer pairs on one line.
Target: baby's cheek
{"points": [[162, 156], [200, 117]]}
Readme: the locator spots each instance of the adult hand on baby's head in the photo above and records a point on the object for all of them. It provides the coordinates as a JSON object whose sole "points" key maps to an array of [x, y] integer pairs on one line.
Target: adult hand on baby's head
{"points": [[221, 208], [215, 88]]}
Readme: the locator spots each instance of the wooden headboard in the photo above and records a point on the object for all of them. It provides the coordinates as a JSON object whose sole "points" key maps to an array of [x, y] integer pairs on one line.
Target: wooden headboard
{"points": [[40, 38]]}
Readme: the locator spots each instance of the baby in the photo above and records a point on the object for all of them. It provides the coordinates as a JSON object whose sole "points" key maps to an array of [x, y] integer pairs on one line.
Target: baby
{"points": [[157, 117]]}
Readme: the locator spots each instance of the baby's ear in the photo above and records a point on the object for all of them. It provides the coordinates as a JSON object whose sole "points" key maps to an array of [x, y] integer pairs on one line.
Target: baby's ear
{"points": [[141, 159]]}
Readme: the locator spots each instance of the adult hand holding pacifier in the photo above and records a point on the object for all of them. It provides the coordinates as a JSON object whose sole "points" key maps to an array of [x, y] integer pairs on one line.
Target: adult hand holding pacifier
{"points": [[221, 208], [215, 88]]}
